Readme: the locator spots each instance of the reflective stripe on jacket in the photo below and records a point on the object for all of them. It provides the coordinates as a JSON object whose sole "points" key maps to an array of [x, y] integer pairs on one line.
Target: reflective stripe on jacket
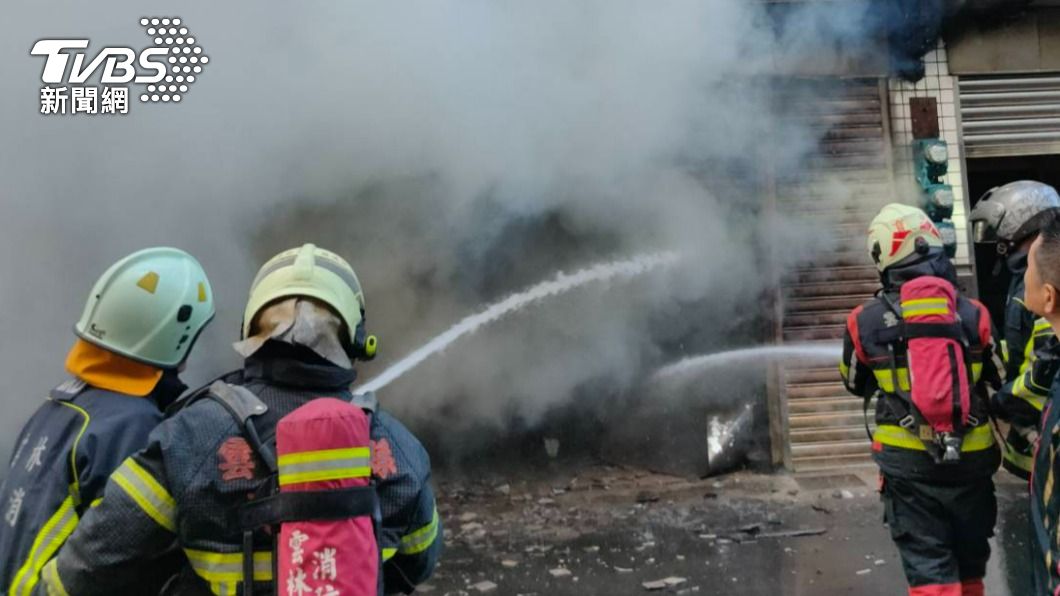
{"points": [[62, 459], [198, 467], [866, 369]]}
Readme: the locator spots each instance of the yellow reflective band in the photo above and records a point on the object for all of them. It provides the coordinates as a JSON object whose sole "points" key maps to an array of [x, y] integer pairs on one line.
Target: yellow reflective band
{"points": [[923, 312], [421, 539], [147, 493], [977, 439], [50, 576], [54, 533], [1042, 325], [977, 371], [1021, 461], [328, 464], [388, 553], [886, 381], [924, 302], [225, 568], [1032, 394], [1004, 351], [305, 457], [844, 370], [73, 450]]}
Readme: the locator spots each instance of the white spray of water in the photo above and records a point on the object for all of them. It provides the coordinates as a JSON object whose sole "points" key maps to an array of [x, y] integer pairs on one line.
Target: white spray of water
{"points": [[807, 351], [562, 283]]}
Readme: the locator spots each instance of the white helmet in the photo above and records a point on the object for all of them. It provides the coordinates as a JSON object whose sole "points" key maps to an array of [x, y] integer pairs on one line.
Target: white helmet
{"points": [[149, 306], [1010, 213], [900, 231]]}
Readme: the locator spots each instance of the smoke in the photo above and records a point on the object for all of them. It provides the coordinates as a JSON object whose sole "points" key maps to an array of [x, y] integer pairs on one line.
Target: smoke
{"points": [[453, 151]]}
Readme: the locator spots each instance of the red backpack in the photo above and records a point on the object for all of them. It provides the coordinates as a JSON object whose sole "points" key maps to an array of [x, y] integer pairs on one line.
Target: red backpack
{"points": [[936, 348], [322, 513]]}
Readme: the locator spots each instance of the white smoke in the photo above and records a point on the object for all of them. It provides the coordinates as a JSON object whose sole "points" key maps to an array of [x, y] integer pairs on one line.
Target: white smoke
{"points": [[454, 151]]}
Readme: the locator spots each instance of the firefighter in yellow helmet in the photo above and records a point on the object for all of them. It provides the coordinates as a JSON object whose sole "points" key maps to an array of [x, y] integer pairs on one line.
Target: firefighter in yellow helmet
{"points": [[932, 441], [303, 330], [138, 327]]}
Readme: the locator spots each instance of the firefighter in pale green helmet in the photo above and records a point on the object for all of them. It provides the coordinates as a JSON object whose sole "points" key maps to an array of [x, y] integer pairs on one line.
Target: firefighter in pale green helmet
{"points": [[1012, 216], [137, 328]]}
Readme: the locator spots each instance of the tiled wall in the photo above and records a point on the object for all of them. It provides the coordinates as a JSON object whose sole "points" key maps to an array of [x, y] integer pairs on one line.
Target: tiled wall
{"points": [[938, 84]]}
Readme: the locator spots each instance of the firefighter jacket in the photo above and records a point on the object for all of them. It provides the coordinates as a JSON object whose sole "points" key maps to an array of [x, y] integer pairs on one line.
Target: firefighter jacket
{"points": [[197, 468], [62, 460], [1021, 398], [1045, 498], [866, 369]]}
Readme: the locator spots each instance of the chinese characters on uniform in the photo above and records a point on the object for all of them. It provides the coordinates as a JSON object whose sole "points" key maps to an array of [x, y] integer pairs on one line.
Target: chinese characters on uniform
{"points": [[14, 506]]}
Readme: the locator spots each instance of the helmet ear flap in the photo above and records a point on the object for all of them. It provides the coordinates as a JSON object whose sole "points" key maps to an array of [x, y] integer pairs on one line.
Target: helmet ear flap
{"points": [[876, 252]]}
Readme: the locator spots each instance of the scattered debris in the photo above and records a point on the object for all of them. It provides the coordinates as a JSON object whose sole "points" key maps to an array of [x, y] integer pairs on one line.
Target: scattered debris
{"points": [[559, 572], [662, 584], [484, 586], [864, 572], [647, 497], [623, 569], [821, 509], [509, 563], [794, 533]]}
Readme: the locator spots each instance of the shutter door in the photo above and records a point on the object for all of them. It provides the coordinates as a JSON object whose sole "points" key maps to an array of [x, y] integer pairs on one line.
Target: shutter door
{"points": [[849, 179], [1010, 115]]}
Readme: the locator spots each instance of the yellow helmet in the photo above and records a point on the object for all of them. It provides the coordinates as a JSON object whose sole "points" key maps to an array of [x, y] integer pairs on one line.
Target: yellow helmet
{"points": [[315, 273], [900, 231]]}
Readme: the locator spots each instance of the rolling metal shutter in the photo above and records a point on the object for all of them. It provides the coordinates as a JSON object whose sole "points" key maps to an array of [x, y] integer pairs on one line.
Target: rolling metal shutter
{"points": [[1010, 115], [849, 179]]}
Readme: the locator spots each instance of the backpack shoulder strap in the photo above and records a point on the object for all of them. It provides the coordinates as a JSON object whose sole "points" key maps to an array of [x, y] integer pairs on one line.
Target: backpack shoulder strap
{"points": [[240, 402], [243, 405]]}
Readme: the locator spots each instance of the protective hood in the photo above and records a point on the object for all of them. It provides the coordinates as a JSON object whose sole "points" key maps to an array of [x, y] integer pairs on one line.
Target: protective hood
{"points": [[1017, 263], [301, 322], [935, 263]]}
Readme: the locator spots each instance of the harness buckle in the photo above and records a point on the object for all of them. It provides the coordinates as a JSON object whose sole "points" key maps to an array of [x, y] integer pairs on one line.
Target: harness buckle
{"points": [[908, 423]]}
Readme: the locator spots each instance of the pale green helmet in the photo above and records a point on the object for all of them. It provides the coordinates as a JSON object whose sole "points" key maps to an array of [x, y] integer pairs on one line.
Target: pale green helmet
{"points": [[149, 306]]}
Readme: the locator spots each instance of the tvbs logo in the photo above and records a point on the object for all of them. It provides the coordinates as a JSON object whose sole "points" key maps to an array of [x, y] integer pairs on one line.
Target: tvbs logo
{"points": [[165, 70]]}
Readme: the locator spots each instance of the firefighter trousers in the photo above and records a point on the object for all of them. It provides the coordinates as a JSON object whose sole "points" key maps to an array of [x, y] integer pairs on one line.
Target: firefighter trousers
{"points": [[942, 533]]}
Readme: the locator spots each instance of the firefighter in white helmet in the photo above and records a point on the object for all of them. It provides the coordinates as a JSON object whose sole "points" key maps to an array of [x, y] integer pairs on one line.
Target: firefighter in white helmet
{"points": [[303, 330], [932, 442], [138, 326], [1012, 216]]}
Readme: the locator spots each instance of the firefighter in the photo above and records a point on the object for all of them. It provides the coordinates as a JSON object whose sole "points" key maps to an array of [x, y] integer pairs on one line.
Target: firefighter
{"points": [[1012, 215], [303, 329], [935, 484], [1042, 297], [138, 327]]}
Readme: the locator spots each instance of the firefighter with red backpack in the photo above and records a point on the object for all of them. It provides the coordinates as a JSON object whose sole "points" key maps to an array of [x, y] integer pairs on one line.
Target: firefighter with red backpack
{"points": [[274, 479], [925, 353]]}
